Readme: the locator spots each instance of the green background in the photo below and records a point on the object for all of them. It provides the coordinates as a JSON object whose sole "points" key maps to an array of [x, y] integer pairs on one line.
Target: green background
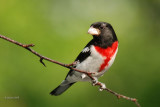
{"points": [[59, 28]]}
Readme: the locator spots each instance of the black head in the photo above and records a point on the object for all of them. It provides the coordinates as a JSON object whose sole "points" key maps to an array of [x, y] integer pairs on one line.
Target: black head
{"points": [[103, 31]]}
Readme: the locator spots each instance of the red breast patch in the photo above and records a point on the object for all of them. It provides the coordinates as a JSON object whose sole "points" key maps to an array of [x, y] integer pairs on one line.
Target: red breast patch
{"points": [[108, 53]]}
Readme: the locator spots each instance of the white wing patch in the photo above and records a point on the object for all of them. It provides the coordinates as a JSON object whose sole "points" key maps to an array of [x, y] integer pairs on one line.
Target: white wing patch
{"points": [[91, 64], [85, 50]]}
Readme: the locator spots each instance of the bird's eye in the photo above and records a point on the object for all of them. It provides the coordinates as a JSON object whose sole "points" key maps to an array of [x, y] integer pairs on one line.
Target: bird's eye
{"points": [[101, 27]]}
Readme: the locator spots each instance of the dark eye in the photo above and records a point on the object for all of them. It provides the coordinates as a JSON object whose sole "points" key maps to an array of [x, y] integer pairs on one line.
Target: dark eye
{"points": [[101, 27]]}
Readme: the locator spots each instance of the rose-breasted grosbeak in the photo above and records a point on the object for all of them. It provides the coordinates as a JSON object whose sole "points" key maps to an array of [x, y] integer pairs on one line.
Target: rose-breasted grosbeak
{"points": [[97, 56]]}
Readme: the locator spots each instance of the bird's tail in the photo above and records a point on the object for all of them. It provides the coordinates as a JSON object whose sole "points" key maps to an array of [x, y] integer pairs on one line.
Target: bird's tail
{"points": [[61, 88]]}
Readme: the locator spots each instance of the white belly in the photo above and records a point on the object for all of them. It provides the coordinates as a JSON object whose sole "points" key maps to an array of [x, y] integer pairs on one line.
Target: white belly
{"points": [[91, 64]]}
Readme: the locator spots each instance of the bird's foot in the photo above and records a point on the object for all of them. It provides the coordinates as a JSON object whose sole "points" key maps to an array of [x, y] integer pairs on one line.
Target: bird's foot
{"points": [[94, 81], [83, 76], [102, 86]]}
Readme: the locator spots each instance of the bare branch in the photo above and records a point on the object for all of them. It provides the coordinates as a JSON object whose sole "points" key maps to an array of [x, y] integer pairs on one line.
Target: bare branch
{"points": [[70, 66], [119, 95]]}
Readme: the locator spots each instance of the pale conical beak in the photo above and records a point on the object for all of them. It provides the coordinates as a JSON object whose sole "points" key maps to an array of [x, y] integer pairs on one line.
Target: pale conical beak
{"points": [[93, 31]]}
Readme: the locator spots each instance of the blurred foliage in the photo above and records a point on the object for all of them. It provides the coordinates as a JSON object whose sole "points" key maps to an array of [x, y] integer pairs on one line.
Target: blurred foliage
{"points": [[58, 29]]}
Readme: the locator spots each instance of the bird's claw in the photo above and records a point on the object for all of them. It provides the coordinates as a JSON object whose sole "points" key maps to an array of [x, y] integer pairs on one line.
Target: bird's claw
{"points": [[83, 76], [103, 86], [95, 81]]}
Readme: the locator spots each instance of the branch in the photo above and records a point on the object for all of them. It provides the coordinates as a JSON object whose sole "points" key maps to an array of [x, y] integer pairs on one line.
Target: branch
{"points": [[70, 66]]}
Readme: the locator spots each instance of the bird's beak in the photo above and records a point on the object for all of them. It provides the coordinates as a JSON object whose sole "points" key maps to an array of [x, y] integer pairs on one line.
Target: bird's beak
{"points": [[93, 31]]}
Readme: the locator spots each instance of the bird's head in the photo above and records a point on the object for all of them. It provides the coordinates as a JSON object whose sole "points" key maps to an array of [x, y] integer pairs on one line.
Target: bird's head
{"points": [[102, 30]]}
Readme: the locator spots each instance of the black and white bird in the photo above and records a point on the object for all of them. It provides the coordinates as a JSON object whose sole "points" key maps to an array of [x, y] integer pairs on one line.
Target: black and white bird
{"points": [[97, 56]]}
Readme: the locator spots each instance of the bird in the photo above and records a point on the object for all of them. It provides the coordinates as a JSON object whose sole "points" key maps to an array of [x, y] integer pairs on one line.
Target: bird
{"points": [[96, 57]]}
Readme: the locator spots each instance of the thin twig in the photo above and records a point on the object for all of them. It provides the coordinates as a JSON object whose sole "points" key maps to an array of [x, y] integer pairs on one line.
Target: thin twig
{"points": [[70, 66], [37, 54], [113, 92], [120, 95]]}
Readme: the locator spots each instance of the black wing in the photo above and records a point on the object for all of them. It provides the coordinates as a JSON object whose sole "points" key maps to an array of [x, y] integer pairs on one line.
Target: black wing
{"points": [[85, 53]]}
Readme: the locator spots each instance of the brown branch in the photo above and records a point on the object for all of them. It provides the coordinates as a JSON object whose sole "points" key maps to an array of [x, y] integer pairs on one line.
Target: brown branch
{"points": [[120, 95], [70, 66], [95, 82]]}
